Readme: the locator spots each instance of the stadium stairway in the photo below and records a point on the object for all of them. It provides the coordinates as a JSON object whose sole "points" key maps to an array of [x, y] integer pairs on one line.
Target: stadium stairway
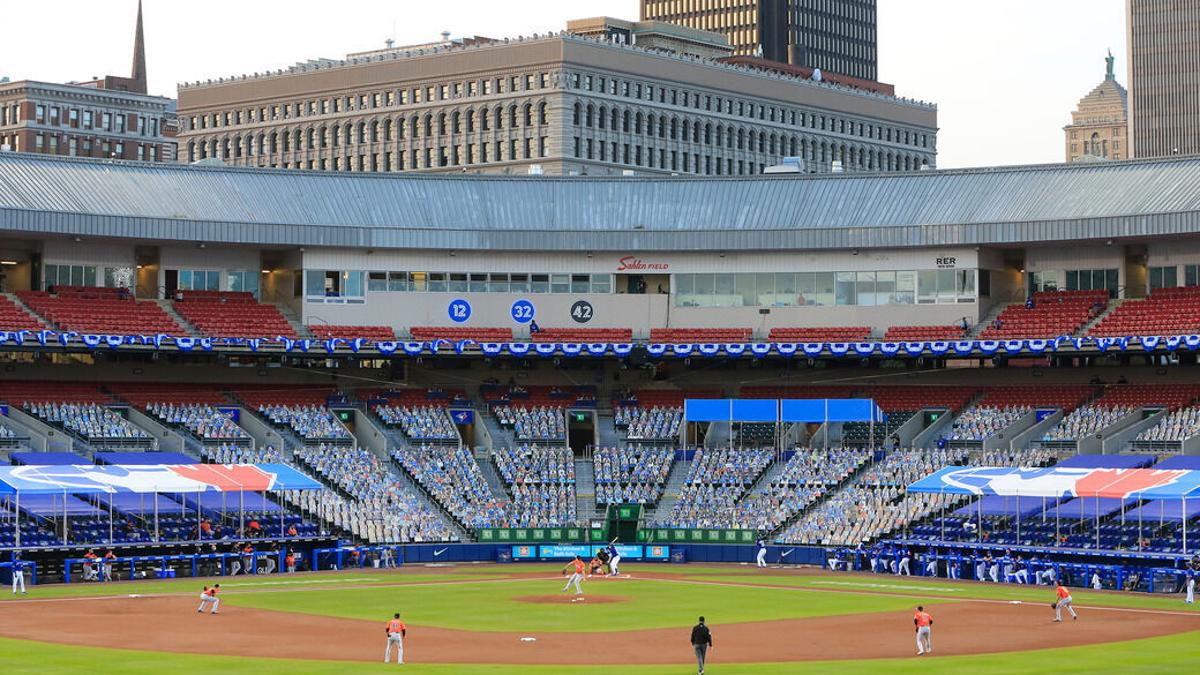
{"points": [[37, 317], [490, 473], [1108, 309], [501, 437], [169, 308], [606, 427], [670, 493], [295, 322], [987, 320], [585, 490]]}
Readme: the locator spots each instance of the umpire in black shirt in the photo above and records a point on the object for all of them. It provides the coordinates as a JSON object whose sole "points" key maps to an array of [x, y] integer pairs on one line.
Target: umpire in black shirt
{"points": [[701, 642]]}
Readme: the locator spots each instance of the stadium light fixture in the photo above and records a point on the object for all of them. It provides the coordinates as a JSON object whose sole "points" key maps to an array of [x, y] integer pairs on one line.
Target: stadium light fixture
{"points": [[8, 262], [266, 271]]}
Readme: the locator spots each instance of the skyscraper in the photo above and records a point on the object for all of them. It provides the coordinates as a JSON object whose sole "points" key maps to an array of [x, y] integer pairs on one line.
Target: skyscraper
{"points": [[1098, 126], [834, 35], [1164, 77]]}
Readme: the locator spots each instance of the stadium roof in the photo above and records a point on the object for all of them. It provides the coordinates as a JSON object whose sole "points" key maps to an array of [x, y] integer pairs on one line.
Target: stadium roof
{"points": [[43, 195]]}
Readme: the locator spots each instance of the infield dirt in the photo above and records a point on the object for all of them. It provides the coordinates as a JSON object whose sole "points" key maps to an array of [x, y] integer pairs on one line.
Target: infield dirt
{"points": [[171, 624]]}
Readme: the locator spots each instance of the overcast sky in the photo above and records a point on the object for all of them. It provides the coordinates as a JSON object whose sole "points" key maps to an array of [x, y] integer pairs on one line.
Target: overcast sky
{"points": [[1005, 75]]}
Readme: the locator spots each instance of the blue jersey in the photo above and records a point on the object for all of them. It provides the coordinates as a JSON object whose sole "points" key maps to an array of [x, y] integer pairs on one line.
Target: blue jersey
{"points": [[761, 544], [612, 551]]}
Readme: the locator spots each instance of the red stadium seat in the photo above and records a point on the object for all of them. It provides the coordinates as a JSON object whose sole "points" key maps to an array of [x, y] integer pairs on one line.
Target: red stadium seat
{"points": [[832, 334], [232, 314]]}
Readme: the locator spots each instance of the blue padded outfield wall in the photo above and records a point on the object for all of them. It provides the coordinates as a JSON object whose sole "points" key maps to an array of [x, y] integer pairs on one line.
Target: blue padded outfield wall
{"points": [[786, 410]]}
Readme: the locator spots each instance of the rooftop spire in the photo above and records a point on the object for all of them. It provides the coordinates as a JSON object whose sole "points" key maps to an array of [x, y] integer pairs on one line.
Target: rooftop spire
{"points": [[138, 74]]}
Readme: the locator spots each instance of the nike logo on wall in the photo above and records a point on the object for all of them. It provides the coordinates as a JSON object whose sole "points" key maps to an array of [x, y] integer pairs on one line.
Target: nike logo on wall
{"points": [[437, 553]]}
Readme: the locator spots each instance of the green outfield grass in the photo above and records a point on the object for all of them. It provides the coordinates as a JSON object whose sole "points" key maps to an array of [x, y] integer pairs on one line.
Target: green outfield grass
{"points": [[470, 597]]}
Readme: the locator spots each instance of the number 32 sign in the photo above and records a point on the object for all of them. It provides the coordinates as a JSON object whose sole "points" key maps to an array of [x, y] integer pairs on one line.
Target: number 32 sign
{"points": [[522, 311]]}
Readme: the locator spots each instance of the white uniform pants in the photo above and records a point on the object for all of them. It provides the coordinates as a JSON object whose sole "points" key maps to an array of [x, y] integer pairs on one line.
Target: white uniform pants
{"points": [[931, 568], [981, 571], [1063, 603], [574, 579], [394, 639], [18, 579], [761, 558], [903, 569], [923, 642], [994, 573], [614, 565], [1191, 589], [207, 600], [1022, 576]]}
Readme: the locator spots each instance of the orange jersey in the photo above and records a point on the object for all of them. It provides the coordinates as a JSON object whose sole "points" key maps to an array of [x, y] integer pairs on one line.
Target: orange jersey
{"points": [[395, 626], [212, 592], [923, 619], [1062, 592], [579, 568]]}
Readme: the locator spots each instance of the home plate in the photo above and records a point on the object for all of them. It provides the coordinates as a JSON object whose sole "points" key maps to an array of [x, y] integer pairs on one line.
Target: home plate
{"points": [[528, 639]]}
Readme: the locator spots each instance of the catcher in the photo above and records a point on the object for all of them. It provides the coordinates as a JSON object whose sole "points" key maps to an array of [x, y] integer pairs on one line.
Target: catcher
{"points": [[1063, 602]]}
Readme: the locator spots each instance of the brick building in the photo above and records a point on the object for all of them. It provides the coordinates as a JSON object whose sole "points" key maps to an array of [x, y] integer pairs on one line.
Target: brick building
{"points": [[110, 117]]}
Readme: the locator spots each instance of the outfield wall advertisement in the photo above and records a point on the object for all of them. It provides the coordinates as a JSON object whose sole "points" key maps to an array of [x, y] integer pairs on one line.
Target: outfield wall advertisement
{"points": [[587, 551]]}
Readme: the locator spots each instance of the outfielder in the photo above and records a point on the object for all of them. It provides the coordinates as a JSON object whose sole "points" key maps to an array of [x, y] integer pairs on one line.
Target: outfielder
{"points": [[760, 559], [614, 559], [18, 573], [209, 597], [396, 631], [923, 623], [576, 575], [1064, 600]]}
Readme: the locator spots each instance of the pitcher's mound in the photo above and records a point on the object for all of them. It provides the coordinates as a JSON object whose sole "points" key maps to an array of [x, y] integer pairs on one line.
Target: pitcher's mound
{"points": [[568, 599]]}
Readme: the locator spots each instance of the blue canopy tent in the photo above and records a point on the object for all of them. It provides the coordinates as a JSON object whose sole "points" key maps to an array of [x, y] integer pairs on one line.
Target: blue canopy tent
{"points": [[816, 410], [147, 479], [1120, 485]]}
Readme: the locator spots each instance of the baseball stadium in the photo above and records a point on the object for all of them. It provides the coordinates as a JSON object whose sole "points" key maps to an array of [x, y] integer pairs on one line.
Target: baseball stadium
{"points": [[259, 420]]}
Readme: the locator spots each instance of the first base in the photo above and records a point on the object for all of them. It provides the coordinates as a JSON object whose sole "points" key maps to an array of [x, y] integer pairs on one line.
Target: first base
{"points": [[528, 639]]}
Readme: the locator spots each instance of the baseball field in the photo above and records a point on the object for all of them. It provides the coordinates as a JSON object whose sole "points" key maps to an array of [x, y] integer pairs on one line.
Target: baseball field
{"points": [[514, 619]]}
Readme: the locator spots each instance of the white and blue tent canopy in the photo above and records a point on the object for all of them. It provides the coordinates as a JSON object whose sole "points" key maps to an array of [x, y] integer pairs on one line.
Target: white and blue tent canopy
{"points": [[151, 479], [1062, 482]]}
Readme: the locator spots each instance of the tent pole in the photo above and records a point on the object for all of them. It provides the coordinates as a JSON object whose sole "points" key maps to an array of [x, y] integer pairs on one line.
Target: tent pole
{"points": [[155, 515], [17, 521], [1018, 518], [1097, 520], [1184, 517], [110, 520], [65, 533], [1139, 529], [979, 508]]}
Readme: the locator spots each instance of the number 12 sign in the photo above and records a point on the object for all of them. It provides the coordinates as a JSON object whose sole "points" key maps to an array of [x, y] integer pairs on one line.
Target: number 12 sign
{"points": [[459, 310]]}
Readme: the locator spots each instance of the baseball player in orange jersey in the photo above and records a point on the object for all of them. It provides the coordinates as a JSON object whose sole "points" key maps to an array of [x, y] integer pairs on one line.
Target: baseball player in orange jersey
{"points": [[396, 631], [209, 597], [576, 575], [924, 624], [1064, 600]]}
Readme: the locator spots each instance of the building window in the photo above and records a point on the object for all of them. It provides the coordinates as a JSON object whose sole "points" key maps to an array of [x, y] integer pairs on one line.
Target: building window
{"points": [[1164, 277], [68, 275]]}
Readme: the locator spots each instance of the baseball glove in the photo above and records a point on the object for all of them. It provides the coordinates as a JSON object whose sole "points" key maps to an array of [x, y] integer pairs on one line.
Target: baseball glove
{"points": [[1054, 605]]}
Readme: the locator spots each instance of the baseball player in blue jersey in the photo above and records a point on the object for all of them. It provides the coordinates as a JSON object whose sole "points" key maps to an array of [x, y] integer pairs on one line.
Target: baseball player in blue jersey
{"points": [[903, 568], [761, 556], [1190, 584], [18, 572], [614, 559], [931, 564]]}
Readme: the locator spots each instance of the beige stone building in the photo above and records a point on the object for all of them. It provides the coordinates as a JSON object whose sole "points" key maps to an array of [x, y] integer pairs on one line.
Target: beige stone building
{"points": [[1164, 77], [558, 104], [1098, 125]]}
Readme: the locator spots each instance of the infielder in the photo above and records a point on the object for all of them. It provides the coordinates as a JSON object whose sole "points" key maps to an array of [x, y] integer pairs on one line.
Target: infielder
{"points": [[18, 573], [576, 575], [614, 559], [396, 631], [761, 557], [923, 623], [209, 597], [1064, 600]]}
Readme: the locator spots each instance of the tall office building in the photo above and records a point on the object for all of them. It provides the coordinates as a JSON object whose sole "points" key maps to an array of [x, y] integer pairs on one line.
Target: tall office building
{"points": [[838, 36], [1098, 126], [1164, 77]]}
